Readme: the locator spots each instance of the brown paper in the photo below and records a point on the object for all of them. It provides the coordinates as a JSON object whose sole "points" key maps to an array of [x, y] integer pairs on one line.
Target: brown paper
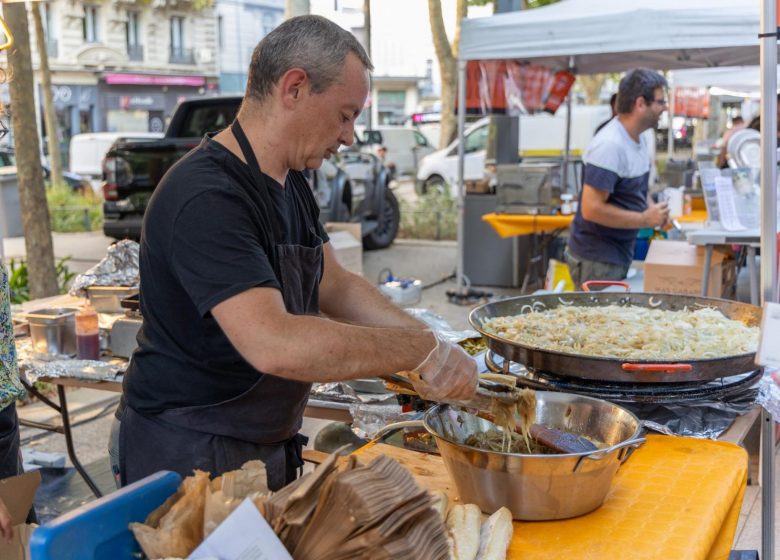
{"points": [[180, 529]]}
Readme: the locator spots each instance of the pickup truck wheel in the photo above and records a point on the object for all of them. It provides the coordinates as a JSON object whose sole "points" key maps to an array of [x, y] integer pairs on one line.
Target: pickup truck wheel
{"points": [[387, 228]]}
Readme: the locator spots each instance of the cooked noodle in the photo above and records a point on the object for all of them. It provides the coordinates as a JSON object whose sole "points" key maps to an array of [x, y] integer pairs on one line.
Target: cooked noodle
{"points": [[629, 332]]}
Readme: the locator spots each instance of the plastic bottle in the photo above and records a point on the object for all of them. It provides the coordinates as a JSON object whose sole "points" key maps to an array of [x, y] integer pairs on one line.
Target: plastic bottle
{"points": [[87, 334]]}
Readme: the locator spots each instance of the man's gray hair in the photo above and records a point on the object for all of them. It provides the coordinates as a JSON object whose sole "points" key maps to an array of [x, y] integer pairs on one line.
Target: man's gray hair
{"points": [[315, 44], [640, 82]]}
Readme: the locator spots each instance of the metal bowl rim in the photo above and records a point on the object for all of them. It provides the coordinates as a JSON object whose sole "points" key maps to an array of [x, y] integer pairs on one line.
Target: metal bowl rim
{"points": [[605, 451]]}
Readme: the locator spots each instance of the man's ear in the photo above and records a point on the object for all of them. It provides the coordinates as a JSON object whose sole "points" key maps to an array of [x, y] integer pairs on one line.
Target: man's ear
{"points": [[292, 85]]}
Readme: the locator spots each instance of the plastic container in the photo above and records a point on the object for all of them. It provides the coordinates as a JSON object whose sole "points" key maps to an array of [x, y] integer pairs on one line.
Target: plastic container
{"points": [[100, 529], [87, 334], [567, 207]]}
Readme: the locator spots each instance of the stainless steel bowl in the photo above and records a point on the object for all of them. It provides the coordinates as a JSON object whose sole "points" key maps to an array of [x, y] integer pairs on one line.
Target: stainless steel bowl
{"points": [[538, 487]]}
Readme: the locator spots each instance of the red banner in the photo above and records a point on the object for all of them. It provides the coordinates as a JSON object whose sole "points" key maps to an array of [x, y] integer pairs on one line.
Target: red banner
{"points": [[513, 87]]}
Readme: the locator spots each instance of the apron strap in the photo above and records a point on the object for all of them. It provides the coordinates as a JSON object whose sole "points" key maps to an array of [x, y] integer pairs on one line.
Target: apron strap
{"points": [[293, 451], [257, 175]]}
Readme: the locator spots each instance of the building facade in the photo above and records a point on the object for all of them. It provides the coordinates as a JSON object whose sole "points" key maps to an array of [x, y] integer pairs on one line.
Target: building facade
{"points": [[241, 25], [124, 65]]}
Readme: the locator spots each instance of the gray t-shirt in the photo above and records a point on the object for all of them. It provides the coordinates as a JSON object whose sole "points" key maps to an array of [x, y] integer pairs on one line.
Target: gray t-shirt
{"points": [[618, 165]]}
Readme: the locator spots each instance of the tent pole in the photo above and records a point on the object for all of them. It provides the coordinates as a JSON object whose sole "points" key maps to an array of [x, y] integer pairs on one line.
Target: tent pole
{"points": [[567, 146], [461, 287], [768, 56], [768, 152], [670, 114]]}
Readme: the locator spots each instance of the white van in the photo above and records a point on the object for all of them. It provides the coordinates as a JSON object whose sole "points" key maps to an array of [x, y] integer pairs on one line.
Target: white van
{"points": [[406, 147], [540, 135], [87, 151]]}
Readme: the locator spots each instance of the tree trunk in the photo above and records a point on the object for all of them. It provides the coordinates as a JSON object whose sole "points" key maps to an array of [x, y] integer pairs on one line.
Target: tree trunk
{"points": [[49, 114], [448, 65], [32, 194], [592, 85], [294, 8]]}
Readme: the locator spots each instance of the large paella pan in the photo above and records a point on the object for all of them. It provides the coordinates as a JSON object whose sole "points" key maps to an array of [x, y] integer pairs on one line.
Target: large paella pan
{"points": [[577, 365]]}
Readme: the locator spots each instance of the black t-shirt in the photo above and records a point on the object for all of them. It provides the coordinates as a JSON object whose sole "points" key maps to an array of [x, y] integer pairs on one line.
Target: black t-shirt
{"points": [[205, 239]]}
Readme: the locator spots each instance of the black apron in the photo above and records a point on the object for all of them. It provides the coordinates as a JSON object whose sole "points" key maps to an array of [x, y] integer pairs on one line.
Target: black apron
{"points": [[261, 423]]}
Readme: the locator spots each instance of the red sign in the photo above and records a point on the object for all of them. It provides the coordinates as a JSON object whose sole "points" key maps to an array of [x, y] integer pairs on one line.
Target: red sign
{"points": [[692, 102]]}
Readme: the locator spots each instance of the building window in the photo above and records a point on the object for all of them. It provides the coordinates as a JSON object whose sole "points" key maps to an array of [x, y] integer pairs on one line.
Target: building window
{"points": [[269, 22], [48, 29], [91, 26], [135, 50], [220, 31], [390, 106], [177, 34], [179, 54]]}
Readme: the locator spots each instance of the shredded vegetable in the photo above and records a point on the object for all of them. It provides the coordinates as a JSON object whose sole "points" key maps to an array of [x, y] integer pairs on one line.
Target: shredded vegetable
{"points": [[630, 332]]}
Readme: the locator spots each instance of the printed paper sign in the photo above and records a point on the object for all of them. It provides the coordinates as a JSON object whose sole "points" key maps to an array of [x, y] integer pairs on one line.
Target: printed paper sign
{"points": [[244, 535]]}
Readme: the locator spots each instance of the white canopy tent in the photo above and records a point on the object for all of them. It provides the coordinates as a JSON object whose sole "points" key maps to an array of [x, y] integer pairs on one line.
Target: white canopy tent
{"points": [[617, 35]]}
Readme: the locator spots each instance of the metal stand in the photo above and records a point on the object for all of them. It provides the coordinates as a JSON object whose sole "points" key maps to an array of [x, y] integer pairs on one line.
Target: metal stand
{"points": [[64, 429]]}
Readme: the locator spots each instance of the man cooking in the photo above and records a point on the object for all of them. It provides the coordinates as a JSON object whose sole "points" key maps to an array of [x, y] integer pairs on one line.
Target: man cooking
{"points": [[243, 302], [614, 202]]}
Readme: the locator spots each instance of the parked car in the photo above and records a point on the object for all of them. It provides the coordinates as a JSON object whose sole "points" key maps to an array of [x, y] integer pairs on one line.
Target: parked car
{"points": [[541, 135], [353, 189], [87, 150], [73, 180], [404, 147]]}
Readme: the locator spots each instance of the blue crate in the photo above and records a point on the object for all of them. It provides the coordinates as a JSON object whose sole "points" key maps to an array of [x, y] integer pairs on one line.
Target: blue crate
{"points": [[99, 530]]}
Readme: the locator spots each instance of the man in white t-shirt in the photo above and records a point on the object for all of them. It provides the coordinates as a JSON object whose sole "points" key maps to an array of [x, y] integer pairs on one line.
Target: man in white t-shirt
{"points": [[614, 202]]}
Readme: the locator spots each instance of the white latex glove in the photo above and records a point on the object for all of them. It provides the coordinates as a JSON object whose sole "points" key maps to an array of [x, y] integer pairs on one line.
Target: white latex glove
{"points": [[448, 373]]}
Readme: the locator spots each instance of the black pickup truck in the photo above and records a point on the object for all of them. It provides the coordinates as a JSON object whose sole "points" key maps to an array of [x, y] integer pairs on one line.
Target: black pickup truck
{"points": [[355, 188]]}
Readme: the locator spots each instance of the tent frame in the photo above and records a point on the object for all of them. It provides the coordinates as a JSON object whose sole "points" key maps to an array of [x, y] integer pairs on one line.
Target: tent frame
{"points": [[768, 62]]}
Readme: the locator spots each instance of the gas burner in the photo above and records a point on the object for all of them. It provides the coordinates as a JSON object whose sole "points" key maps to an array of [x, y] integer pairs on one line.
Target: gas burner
{"points": [[722, 388]]}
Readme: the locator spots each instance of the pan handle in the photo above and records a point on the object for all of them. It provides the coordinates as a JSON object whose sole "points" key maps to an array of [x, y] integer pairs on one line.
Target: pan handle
{"points": [[587, 285], [671, 368], [626, 449]]}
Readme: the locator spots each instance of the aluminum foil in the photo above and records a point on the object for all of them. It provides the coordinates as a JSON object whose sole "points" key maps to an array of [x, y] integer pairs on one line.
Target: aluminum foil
{"points": [[769, 392], [368, 419], [440, 326], [342, 392], [118, 268], [86, 370], [34, 365]]}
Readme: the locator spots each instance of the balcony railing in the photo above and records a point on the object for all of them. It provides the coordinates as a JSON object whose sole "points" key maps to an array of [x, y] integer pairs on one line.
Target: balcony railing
{"points": [[51, 48], [181, 55], [135, 52]]}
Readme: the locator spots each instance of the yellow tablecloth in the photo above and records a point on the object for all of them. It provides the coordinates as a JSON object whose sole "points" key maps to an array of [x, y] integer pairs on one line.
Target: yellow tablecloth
{"points": [[674, 498], [510, 225]]}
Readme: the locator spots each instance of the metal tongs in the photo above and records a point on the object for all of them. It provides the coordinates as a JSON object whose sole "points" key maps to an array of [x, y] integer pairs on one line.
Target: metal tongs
{"points": [[487, 392]]}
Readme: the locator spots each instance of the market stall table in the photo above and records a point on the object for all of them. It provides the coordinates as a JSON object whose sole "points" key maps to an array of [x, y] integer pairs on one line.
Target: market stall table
{"points": [[315, 408], [674, 498], [509, 225]]}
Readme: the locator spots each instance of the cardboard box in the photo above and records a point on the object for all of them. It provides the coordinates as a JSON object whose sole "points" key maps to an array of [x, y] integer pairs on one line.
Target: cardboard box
{"points": [[677, 267], [17, 493], [347, 240]]}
